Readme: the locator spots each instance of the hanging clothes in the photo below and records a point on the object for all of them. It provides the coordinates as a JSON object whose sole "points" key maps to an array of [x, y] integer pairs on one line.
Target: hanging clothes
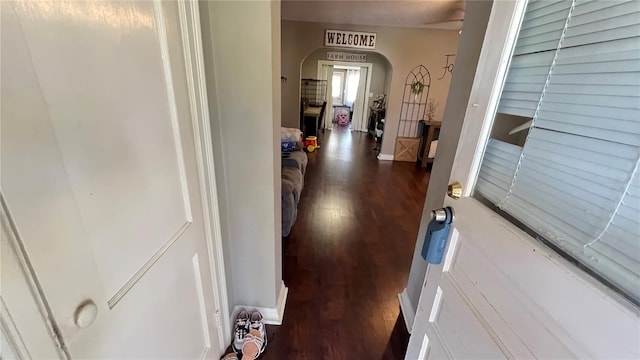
{"points": [[359, 120], [326, 73], [351, 88]]}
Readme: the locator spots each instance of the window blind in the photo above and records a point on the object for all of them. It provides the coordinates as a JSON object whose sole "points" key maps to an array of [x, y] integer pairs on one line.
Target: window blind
{"points": [[498, 167], [575, 181], [536, 45]]}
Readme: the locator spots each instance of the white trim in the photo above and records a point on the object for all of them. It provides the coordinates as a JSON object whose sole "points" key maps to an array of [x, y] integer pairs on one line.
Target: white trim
{"points": [[385, 157], [424, 349], [535, 114], [7, 325], [195, 262], [192, 42], [481, 105], [9, 348], [408, 312], [175, 126], [281, 303], [271, 315], [435, 307]]}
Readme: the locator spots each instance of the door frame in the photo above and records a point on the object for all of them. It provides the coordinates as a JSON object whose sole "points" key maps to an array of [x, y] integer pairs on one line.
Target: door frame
{"points": [[190, 32], [367, 88], [490, 66], [39, 322]]}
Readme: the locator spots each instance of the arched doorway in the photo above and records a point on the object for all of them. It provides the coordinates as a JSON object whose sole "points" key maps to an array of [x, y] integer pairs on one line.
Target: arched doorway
{"points": [[363, 78]]}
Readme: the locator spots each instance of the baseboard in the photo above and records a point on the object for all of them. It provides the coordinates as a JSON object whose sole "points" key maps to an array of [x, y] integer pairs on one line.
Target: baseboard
{"points": [[272, 315], [385, 157], [408, 312], [282, 301]]}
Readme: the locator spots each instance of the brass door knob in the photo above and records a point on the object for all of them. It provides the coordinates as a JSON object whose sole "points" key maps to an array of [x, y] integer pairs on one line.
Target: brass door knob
{"points": [[454, 190]]}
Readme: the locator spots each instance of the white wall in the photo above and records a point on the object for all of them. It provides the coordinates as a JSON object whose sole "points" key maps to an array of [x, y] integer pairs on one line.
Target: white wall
{"points": [[475, 25], [405, 48], [244, 101]]}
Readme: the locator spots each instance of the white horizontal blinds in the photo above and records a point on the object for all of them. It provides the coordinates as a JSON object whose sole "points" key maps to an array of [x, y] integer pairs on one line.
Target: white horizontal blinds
{"points": [[536, 46], [542, 26], [595, 21], [498, 167], [576, 183], [567, 187], [617, 246], [583, 194], [595, 82]]}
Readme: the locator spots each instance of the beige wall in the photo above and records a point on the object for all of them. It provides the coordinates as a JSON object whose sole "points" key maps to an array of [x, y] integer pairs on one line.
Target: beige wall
{"points": [[379, 74], [405, 48], [244, 103]]}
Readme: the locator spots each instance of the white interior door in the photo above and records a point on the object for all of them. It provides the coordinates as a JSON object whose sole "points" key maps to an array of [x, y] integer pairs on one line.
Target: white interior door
{"points": [[498, 293], [100, 176]]}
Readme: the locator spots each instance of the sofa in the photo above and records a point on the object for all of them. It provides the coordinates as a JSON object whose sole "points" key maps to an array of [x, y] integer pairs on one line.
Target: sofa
{"points": [[294, 166]]}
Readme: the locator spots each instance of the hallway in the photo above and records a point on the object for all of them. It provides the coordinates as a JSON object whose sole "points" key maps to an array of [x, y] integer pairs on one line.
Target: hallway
{"points": [[349, 253]]}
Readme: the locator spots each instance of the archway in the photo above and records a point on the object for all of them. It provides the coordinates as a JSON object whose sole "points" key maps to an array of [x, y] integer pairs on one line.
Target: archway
{"points": [[378, 69]]}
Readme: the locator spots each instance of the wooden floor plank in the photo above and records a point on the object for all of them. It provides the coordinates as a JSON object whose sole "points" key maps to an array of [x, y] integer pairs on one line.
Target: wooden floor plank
{"points": [[349, 254]]}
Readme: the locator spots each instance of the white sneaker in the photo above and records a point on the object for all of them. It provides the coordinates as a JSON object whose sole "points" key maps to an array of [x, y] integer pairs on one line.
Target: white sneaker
{"points": [[257, 324], [241, 330]]}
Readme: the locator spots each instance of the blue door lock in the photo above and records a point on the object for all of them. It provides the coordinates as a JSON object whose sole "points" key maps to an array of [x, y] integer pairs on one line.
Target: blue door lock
{"points": [[435, 241]]}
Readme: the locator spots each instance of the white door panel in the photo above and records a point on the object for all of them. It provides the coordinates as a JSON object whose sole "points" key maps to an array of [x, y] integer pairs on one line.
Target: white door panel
{"points": [[117, 133], [458, 330], [503, 295], [486, 279], [99, 172]]}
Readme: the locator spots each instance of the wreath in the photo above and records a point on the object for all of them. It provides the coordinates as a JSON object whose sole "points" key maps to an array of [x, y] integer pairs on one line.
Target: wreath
{"points": [[417, 87]]}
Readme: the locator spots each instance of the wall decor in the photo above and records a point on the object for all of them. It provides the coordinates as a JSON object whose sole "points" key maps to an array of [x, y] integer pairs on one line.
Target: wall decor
{"points": [[417, 87], [414, 101], [345, 56], [448, 67], [350, 39], [413, 110]]}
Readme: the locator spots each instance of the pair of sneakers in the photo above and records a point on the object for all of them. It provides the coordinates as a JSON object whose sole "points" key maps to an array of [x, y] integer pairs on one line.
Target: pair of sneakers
{"points": [[245, 322]]}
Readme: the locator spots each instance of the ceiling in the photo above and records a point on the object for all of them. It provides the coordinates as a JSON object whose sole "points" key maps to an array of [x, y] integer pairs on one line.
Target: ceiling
{"points": [[422, 14]]}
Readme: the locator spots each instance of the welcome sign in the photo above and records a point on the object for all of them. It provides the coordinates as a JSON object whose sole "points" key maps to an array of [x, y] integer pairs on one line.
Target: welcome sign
{"points": [[350, 39]]}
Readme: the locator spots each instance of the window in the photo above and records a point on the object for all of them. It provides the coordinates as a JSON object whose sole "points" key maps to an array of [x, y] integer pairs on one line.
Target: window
{"points": [[567, 166], [337, 87]]}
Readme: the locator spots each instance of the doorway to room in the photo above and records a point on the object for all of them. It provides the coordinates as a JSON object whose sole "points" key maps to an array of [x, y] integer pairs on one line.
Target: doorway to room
{"points": [[349, 85], [358, 99]]}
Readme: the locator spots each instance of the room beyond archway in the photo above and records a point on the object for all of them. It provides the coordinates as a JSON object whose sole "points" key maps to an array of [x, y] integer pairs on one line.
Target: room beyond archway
{"points": [[358, 96]]}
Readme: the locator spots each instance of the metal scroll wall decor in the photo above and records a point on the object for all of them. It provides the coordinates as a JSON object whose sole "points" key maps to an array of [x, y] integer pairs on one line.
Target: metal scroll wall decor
{"points": [[448, 66], [414, 101]]}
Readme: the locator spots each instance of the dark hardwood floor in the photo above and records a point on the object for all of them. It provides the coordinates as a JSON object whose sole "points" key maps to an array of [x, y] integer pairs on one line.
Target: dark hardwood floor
{"points": [[349, 254]]}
